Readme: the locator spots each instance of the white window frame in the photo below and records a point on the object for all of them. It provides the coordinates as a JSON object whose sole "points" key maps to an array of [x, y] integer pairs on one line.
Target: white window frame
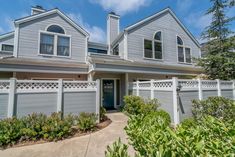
{"points": [[55, 44], [6, 44], [183, 46], [153, 48]]}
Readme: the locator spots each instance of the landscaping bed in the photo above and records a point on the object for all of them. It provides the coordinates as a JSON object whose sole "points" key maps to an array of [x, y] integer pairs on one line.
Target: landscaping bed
{"points": [[39, 128]]}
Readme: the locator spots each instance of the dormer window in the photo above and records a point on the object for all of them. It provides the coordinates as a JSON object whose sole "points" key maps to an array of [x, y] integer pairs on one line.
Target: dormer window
{"points": [[54, 42], [116, 50], [184, 53], [153, 48]]}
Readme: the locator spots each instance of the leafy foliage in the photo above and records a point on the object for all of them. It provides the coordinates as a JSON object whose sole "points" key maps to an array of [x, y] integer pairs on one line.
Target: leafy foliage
{"points": [[39, 126], [218, 107], [118, 149], [86, 121], [135, 105], [102, 113]]}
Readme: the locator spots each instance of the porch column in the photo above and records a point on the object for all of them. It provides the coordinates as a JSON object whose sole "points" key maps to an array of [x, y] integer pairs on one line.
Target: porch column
{"points": [[126, 84], [91, 76]]}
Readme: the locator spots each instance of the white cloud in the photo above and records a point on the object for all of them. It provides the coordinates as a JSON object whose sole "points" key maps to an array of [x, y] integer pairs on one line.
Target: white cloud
{"points": [[97, 34], [1, 30], [122, 6], [198, 20], [184, 5]]}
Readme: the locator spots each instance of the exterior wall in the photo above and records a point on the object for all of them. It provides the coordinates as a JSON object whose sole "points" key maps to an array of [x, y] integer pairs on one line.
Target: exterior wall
{"points": [[170, 29], [87, 101], [35, 102], [113, 28], [8, 40], [29, 39], [3, 105], [46, 76], [121, 48]]}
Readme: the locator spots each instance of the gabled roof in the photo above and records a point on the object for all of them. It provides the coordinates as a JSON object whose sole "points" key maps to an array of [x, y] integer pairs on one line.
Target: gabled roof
{"points": [[147, 19], [50, 12], [6, 35]]}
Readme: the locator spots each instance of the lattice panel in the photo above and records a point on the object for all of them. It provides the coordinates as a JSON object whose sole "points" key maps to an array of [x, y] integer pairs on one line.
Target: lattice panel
{"points": [[162, 84], [144, 84], [209, 84], [226, 85], [79, 85], [188, 84], [36, 85], [4, 85]]}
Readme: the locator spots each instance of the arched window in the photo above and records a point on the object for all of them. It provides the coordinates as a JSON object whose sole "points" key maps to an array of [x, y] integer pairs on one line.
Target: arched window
{"points": [[55, 29], [158, 45], [184, 53]]}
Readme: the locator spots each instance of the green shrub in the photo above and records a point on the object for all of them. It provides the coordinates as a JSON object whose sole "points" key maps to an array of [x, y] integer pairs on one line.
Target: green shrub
{"points": [[218, 107], [86, 121], [118, 149], [151, 135], [135, 105], [102, 114]]}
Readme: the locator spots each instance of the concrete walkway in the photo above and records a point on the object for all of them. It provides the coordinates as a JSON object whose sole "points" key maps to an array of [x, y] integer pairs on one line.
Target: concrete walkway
{"points": [[93, 145]]}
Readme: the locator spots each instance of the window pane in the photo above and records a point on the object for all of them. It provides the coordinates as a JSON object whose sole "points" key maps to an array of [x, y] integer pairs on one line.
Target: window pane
{"points": [[63, 46], [46, 44], [180, 54], [188, 55], [55, 29], [179, 41], [158, 50], [148, 52], [7, 47], [116, 50], [158, 36]]}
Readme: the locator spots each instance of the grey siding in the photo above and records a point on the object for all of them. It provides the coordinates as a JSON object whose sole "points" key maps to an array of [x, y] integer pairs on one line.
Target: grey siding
{"points": [[170, 29], [185, 103], [227, 93], [77, 102], [209, 93], [166, 100], [121, 48], [8, 40], [35, 102], [29, 38], [146, 94], [3, 105], [113, 22]]}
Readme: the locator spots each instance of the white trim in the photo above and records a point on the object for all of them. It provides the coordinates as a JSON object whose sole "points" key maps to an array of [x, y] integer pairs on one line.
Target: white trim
{"points": [[125, 46], [6, 35], [159, 13], [55, 35], [16, 41], [36, 16], [184, 52], [159, 41], [37, 9]]}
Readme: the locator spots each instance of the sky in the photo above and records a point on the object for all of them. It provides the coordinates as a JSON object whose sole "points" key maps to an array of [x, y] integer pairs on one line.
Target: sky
{"points": [[92, 14]]}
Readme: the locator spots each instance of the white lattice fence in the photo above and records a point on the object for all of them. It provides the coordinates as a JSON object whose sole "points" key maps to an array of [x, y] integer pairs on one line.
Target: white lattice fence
{"points": [[22, 96]]}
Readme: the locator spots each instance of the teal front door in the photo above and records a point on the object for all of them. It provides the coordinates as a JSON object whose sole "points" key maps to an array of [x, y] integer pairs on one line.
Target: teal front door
{"points": [[108, 94]]}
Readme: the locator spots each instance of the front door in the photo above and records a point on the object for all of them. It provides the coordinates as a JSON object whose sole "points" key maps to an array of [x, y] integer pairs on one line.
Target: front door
{"points": [[108, 94]]}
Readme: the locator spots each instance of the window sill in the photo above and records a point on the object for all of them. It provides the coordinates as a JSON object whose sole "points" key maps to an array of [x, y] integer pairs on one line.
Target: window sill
{"points": [[45, 55], [185, 63], [153, 59]]}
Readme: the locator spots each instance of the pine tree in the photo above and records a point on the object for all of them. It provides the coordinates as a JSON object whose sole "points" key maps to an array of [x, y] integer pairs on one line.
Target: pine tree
{"points": [[220, 59]]}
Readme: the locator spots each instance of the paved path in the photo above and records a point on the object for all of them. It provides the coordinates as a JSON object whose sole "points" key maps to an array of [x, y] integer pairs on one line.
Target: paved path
{"points": [[92, 145]]}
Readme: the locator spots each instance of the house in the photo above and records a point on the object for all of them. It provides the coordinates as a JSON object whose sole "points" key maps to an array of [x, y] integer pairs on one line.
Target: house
{"points": [[49, 45]]}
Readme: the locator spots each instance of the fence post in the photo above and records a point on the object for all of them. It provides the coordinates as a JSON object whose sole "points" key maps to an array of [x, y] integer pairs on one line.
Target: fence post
{"points": [[98, 100], [11, 99], [218, 87], [175, 100], [152, 89], [60, 96], [137, 88], [233, 89], [200, 94]]}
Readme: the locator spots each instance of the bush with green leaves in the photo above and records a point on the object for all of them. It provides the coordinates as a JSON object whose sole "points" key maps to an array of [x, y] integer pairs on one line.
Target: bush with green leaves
{"points": [[102, 114], [39, 126], [87, 121], [151, 135], [135, 105], [218, 107], [117, 149]]}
